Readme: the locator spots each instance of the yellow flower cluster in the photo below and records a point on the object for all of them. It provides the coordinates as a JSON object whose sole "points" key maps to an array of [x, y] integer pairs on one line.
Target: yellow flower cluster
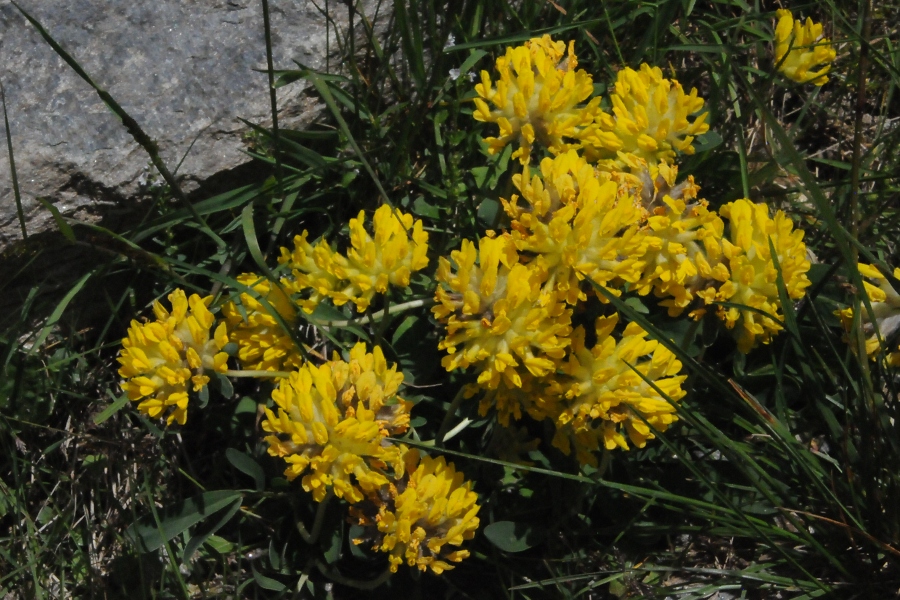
{"points": [[649, 119], [610, 396], [683, 241], [576, 226], [331, 423], [262, 342], [885, 302], [499, 317], [753, 283], [424, 517], [165, 359], [397, 248], [536, 97], [539, 97], [801, 53]]}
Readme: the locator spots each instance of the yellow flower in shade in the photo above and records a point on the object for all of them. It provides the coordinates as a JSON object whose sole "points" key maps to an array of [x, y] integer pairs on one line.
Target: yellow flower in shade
{"points": [[801, 53], [608, 400], [327, 431], [424, 518], [163, 360], [398, 248], [885, 303], [650, 120], [576, 226], [536, 98], [262, 342], [499, 319], [753, 281], [684, 241], [536, 396]]}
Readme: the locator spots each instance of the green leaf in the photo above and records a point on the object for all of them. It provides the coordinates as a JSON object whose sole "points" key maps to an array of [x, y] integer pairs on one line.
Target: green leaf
{"points": [[64, 227], [246, 465], [267, 583], [220, 545], [58, 311], [510, 536], [198, 539], [112, 409], [178, 518]]}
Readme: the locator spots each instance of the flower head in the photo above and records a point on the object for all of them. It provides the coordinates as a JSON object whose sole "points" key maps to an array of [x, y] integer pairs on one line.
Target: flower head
{"points": [[327, 430], [499, 318], [536, 97], [649, 122], [312, 271], [885, 302], [424, 518], [397, 248], [576, 226], [262, 342], [684, 241], [165, 359], [801, 52], [610, 397], [754, 276]]}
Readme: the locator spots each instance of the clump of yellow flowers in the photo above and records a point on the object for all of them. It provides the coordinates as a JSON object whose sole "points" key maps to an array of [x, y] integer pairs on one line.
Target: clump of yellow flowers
{"points": [[802, 54], [330, 422], [597, 214], [603, 213]]}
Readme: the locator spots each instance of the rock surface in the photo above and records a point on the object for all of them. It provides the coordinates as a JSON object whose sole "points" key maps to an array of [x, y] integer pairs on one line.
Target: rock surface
{"points": [[186, 70]]}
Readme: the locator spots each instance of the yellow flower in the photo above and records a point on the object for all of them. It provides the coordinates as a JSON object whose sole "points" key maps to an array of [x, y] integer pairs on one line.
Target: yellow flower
{"points": [[608, 399], [649, 120], [498, 317], [576, 226], [801, 52], [753, 281], [684, 241], [424, 518], [537, 396], [326, 426], [312, 271], [366, 378], [536, 97], [885, 303], [398, 248], [163, 359], [262, 342]]}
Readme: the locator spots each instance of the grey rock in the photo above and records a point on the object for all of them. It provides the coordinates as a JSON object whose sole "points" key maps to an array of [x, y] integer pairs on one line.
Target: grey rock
{"points": [[186, 70]]}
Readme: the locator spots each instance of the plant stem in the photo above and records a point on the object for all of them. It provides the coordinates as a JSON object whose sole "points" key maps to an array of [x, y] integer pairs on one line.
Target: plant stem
{"points": [[257, 373], [445, 424], [336, 577], [393, 310]]}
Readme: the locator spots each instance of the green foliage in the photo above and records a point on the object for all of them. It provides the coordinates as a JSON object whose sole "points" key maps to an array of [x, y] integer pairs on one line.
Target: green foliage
{"points": [[779, 478]]}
